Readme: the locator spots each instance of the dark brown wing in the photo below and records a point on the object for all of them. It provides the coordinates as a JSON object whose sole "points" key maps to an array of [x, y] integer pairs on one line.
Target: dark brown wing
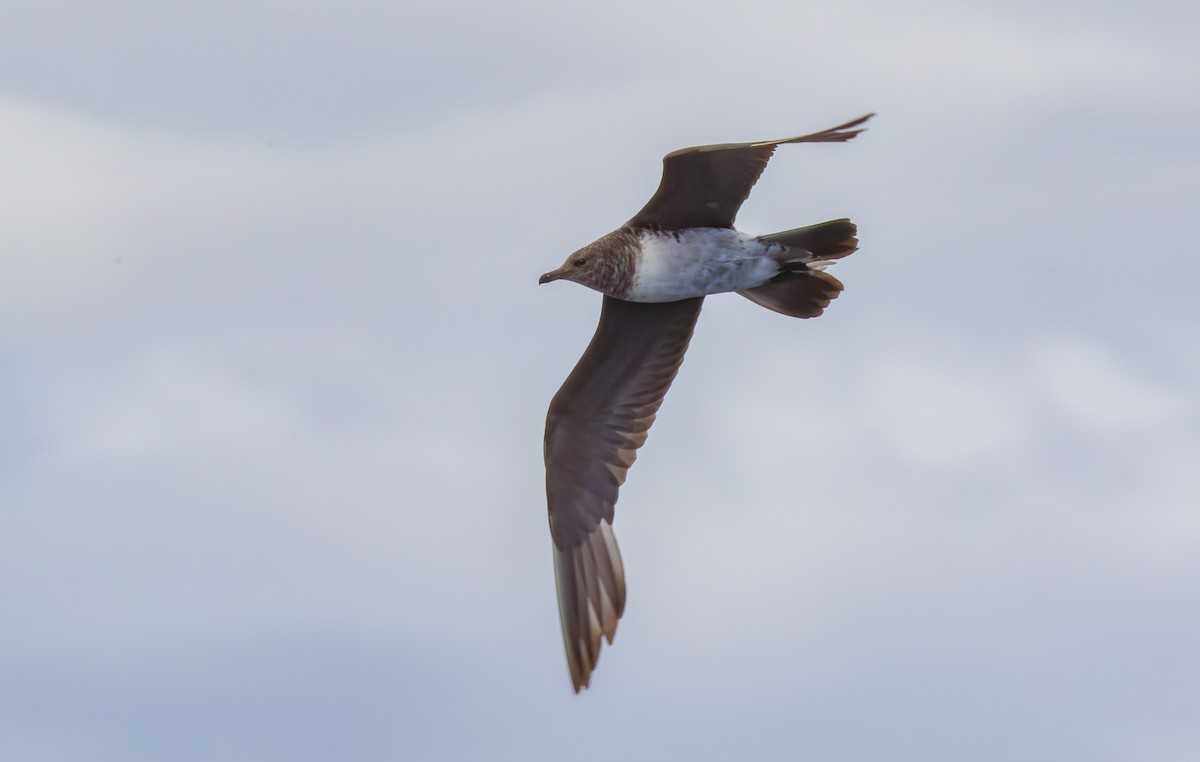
{"points": [[705, 186], [596, 423]]}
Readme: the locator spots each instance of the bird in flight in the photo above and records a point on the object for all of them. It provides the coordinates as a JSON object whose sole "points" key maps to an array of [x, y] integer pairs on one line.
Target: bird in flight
{"points": [[654, 272]]}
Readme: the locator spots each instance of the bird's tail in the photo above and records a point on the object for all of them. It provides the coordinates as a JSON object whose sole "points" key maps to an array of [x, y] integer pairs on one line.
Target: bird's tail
{"points": [[803, 289]]}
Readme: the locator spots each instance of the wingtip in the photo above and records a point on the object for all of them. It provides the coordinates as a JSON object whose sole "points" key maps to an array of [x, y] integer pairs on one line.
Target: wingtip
{"points": [[578, 685], [838, 134], [844, 131], [591, 595]]}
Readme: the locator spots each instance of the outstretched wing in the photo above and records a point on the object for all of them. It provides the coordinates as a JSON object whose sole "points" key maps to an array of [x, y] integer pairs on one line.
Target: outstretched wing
{"points": [[705, 186], [597, 422]]}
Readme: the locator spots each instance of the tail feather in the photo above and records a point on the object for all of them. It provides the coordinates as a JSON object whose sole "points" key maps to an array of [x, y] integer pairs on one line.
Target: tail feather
{"points": [[802, 289], [803, 295], [826, 240]]}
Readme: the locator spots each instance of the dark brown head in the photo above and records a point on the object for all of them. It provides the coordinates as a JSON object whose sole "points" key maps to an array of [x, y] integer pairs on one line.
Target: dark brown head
{"points": [[605, 265]]}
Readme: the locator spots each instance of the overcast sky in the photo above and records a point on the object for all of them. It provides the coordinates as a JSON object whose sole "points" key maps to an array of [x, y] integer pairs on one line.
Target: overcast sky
{"points": [[274, 368]]}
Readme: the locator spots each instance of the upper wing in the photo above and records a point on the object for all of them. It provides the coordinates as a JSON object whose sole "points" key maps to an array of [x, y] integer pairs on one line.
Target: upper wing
{"points": [[597, 421], [705, 186]]}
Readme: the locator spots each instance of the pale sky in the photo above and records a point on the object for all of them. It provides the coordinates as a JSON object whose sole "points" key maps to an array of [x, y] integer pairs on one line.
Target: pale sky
{"points": [[275, 366]]}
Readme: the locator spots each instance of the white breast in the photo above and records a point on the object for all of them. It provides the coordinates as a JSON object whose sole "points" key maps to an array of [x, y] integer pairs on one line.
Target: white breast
{"points": [[698, 261]]}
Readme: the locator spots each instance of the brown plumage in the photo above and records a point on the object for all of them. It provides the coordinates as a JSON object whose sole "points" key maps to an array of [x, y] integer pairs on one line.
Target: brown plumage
{"points": [[603, 412]]}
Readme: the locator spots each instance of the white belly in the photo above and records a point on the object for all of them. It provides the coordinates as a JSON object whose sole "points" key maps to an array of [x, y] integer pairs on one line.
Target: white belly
{"points": [[699, 261]]}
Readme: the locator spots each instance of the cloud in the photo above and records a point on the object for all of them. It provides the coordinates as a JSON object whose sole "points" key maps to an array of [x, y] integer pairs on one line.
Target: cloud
{"points": [[277, 368]]}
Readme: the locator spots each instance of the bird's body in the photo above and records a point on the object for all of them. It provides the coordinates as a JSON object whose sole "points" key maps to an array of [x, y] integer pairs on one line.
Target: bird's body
{"points": [[645, 265], [655, 272], [700, 261]]}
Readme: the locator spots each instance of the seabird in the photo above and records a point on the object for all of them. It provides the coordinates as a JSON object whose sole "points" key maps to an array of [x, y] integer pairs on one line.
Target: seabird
{"points": [[654, 272]]}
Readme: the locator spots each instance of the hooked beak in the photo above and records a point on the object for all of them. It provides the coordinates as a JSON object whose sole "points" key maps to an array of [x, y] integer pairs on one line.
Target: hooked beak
{"points": [[553, 275]]}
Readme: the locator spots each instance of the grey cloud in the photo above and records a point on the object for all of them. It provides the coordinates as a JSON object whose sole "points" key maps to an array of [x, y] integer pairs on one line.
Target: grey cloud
{"points": [[272, 481], [309, 71]]}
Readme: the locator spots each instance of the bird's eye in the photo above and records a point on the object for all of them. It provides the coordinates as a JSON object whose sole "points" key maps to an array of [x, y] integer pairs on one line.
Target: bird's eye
{"points": [[580, 261]]}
